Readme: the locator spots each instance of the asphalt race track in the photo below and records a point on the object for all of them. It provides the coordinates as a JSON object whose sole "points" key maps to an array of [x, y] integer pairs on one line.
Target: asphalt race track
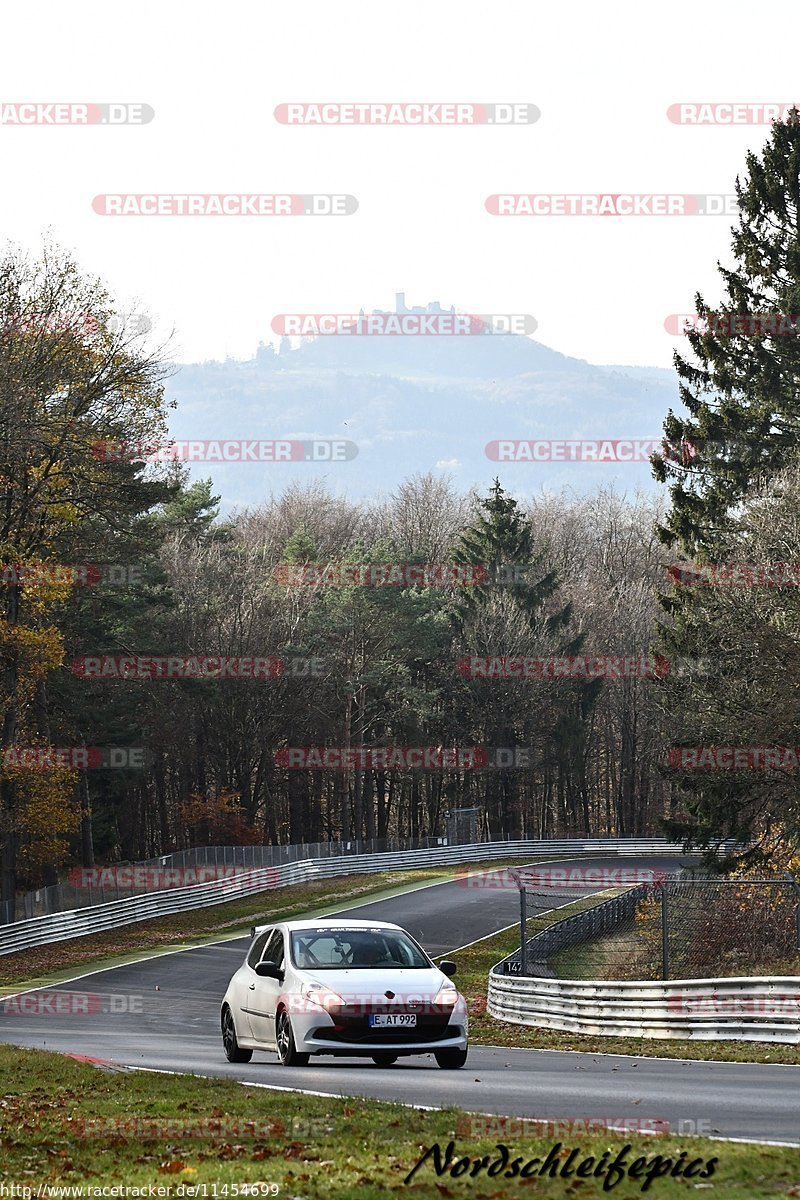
{"points": [[163, 1013]]}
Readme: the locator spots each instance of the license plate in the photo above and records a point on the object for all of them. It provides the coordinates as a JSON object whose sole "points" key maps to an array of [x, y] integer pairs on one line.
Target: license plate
{"points": [[382, 1020]]}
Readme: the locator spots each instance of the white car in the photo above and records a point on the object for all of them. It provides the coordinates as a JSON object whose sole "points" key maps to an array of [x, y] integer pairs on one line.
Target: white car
{"points": [[342, 987]]}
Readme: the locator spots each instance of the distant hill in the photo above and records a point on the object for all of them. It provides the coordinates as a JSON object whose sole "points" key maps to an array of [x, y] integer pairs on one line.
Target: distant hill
{"points": [[417, 404]]}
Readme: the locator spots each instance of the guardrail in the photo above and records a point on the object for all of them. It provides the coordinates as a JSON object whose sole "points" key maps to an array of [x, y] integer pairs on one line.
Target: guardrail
{"points": [[84, 888], [276, 856], [98, 918], [765, 1009], [758, 1008]]}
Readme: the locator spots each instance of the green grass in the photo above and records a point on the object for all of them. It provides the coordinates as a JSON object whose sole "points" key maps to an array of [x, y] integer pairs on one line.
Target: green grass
{"points": [[475, 962], [312, 1148], [593, 960], [635, 953]]}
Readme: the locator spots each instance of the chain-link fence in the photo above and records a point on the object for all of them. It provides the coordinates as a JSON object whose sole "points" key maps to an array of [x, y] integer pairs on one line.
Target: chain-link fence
{"points": [[671, 927]]}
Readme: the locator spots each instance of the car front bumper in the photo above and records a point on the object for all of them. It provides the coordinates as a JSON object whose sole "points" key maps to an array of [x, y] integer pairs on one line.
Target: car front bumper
{"points": [[348, 1033]]}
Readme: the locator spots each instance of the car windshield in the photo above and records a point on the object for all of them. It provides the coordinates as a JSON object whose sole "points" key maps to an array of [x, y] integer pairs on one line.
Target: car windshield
{"points": [[335, 949]]}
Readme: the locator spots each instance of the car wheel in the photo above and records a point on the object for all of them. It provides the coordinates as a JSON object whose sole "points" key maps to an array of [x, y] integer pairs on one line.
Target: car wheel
{"points": [[450, 1060], [384, 1059], [233, 1051], [284, 1037]]}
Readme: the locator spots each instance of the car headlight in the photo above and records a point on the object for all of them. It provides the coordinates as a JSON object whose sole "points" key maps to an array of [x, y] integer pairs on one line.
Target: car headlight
{"points": [[447, 996], [324, 997]]}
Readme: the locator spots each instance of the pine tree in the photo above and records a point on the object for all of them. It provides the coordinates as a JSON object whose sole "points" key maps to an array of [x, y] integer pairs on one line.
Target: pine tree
{"points": [[518, 605], [501, 541], [743, 398], [743, 392]]}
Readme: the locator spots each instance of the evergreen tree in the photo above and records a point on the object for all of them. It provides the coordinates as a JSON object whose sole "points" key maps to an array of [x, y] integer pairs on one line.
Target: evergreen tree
{"points": [[501, 541], [742, 392], [516, 611], [743, 398]]}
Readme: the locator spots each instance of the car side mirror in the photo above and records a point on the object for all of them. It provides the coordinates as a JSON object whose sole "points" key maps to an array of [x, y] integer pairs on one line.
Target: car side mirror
{"points": [[268, 969], [448, 967]]}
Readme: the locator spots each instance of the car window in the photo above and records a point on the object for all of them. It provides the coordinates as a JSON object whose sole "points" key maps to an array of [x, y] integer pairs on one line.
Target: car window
{"points": [[313, 951], [273, 951], [355, 948], [258, 945]]}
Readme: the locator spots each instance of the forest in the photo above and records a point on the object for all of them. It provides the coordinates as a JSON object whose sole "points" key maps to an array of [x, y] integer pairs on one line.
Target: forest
{"points": [[316, 668]]}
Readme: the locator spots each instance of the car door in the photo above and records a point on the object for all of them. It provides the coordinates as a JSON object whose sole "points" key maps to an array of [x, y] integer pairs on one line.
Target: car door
{"points": [[262, 993], [246, 977]]}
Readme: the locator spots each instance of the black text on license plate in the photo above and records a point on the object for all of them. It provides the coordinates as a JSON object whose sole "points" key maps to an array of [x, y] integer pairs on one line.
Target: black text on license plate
{"points": [[392, 1020]]}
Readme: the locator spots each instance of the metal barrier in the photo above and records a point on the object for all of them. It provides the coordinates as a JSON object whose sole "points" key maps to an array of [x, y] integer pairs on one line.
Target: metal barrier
{"points": [[275, 856], [92, 886], [758, 1010], [764, 1008], [84, 888], [97, 918]]}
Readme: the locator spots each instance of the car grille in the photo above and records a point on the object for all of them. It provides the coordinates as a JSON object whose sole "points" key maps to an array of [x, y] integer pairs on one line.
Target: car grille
{"points": [[359, 1031]]}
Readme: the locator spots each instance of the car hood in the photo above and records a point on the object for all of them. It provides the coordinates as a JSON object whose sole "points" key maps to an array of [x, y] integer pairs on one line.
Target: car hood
{"points": [[367, 982]]}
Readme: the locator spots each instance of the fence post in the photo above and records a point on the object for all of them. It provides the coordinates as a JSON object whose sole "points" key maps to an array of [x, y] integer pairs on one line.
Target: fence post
{"points": [[664, 932], [790, 877], [523, 931]]}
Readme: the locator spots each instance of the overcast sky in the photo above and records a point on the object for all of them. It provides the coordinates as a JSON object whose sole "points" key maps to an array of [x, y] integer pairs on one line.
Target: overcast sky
{"points": [[603, 77]]}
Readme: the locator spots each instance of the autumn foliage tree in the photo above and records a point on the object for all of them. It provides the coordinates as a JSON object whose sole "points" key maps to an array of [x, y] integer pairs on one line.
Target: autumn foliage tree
{"points": [[71, 377]]}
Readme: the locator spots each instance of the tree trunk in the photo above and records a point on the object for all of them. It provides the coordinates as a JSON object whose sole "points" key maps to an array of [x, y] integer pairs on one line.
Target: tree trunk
{"points": [[87, 839], [10, 844]]}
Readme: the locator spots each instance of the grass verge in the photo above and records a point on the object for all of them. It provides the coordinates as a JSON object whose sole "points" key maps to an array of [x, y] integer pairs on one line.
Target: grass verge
{"points": [[64, 1123], [630, 954]]}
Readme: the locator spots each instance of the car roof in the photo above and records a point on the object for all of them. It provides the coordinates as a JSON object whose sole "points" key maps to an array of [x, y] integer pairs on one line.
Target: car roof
{"points": [[327, 923]]}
